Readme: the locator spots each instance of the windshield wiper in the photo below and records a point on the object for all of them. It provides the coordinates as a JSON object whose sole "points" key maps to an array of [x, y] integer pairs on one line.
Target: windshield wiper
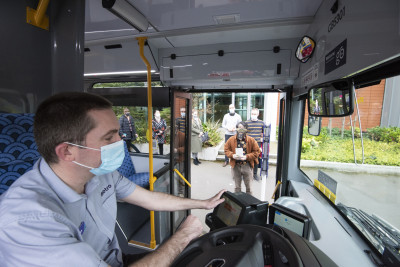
{"points": [[380, 233]]}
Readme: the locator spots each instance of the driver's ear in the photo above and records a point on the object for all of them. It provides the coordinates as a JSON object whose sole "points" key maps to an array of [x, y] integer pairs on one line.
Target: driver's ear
{"points": [[64, 152]]}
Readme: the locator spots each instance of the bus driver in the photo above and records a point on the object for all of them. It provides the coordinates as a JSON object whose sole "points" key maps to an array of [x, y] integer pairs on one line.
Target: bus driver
{"points": [[63, 211]]}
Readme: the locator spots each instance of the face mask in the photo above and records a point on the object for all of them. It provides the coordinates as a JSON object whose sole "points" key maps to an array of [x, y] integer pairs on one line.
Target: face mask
{"points": [[232, 110], [194, 115], [127, 113], [183, 114], [112, 156], [254, 117], [157, 116]]}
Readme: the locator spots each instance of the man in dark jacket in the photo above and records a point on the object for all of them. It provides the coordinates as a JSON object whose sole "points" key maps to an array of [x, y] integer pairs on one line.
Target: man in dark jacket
{"points": [[127, 129], [242, 151]]}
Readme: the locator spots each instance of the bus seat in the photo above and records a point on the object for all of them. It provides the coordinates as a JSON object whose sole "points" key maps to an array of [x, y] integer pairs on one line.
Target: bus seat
{"points": [[18, 150], [127, 169]]}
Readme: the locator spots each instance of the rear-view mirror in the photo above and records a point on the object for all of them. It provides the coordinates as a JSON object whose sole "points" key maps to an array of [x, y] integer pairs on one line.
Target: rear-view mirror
{"points": [[314, 125], [305, 49], [333, 99]]}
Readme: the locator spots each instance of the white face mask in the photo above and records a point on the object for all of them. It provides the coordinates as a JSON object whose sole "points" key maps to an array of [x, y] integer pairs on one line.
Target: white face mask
{"points": [[254, 117], [232, 110], [157, 116]]}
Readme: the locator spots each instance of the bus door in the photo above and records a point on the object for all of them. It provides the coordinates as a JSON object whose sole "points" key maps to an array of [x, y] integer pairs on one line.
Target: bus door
{"points": [[282, 161], [180, 150]]}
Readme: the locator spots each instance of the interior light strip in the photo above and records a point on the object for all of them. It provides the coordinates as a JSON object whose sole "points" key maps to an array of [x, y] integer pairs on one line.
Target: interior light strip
{"points": [[116, 73]]}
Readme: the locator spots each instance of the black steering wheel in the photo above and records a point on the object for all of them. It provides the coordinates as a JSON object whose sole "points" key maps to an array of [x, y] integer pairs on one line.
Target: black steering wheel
{"points": [[241, 245]]}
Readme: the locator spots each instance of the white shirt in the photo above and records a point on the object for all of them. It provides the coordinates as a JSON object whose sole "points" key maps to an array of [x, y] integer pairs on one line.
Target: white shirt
{"points": [[230, 122]]}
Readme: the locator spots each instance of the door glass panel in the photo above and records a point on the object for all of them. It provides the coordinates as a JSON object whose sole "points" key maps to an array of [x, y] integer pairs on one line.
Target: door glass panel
{"points": [[257, 101], [180, 152], [241, 105]]}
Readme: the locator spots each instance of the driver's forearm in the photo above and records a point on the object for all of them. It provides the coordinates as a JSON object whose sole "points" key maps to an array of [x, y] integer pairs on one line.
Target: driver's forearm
{"points": [[166, 253], [164, 202]]}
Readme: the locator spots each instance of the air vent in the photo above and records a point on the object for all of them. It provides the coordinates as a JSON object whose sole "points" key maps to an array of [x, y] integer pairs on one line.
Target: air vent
{"points": [[87, 49], [114, 46], [227, 19]]}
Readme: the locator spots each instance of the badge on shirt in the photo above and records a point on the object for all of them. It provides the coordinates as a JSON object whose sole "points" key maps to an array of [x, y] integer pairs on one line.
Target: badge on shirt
{"points": [[82, 227]]}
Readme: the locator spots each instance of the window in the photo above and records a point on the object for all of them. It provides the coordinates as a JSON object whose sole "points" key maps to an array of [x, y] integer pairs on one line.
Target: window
{"points": [[371, 187]]}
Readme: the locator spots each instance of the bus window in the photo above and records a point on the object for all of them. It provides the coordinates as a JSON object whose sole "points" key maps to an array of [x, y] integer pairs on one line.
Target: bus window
{"points": [[363, 189]]}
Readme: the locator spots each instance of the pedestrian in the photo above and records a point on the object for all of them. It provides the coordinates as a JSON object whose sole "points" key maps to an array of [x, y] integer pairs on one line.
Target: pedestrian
{"points": [[181, 121], [197, 132], [255, 129], [229, 122], [127, 129], [63, 211], [242, 151], [159, 126]]}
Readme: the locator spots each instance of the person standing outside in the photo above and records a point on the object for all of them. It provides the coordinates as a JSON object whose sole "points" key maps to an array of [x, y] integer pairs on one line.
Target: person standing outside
{"points": [[127, 129], [229, 122], [197, 132], [159, 126], [181, 121], [243, 152], [255, 128]]}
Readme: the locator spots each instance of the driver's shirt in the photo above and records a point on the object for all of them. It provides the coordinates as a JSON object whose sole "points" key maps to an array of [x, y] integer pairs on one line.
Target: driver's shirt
{"points": [[43, 222]]}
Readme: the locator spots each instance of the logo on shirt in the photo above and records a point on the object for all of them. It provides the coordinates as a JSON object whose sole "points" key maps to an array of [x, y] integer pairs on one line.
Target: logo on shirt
{"points": [[105, 189]]}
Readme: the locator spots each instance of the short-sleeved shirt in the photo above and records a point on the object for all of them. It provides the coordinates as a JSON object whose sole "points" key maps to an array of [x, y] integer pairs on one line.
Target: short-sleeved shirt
{"points": [[43, 222]]}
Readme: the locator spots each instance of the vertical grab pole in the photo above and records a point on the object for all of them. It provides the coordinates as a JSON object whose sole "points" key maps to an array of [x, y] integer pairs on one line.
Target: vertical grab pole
{"points": [[142, 41]]}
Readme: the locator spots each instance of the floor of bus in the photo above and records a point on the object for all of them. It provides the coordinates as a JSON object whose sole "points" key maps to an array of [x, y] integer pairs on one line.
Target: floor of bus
{"points": [[210, 177]]}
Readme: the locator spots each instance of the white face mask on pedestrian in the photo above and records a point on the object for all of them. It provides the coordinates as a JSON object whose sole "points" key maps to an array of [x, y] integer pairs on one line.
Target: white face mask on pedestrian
{"points": [[112, 156], [254, 117], [232, 111]]}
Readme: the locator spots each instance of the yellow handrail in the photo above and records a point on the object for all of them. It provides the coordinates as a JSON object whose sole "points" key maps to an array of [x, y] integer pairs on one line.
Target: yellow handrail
{"points": [[183, 178], [142, 41], [38, 17]]}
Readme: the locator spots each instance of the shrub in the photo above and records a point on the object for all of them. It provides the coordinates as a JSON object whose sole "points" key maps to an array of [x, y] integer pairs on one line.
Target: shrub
{"points": [[213, 133]]}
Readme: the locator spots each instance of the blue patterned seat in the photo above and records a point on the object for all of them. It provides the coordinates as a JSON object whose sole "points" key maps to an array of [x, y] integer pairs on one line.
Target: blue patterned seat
{"points": [[18, 150], [128, 170]]}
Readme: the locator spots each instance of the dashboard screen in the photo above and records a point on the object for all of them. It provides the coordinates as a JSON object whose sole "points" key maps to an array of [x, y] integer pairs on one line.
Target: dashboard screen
{"points": [[288, 222], [228, 212]]}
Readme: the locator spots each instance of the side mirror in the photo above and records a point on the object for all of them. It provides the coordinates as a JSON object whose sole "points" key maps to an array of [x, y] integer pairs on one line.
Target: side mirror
{"points": [[333, 99], [305, 49], [314, 125]]}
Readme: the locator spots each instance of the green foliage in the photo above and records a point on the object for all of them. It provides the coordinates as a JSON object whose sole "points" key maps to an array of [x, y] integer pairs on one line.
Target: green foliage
{"points": [[388, 135], [334, 148], [213, 134]]}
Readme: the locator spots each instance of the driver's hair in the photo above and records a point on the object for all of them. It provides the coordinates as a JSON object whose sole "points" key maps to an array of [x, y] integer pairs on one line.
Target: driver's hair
{"points": [[64, 118]]}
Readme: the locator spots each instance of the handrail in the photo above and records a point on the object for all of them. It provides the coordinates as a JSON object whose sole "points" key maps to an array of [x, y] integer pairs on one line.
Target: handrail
{"points": [[142, 41], [183, 178], [38, 17]]}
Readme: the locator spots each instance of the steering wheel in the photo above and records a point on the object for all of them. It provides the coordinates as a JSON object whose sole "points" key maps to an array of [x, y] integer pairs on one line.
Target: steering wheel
{"points": [[241, 245]]}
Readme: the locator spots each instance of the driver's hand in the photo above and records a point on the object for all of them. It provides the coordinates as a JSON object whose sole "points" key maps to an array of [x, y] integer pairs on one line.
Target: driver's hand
{"points": [[214, 201], [191, 227]]}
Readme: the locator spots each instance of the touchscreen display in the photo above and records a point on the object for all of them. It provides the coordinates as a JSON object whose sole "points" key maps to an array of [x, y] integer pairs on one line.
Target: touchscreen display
{"points": [[229, 212], [290, 223]]}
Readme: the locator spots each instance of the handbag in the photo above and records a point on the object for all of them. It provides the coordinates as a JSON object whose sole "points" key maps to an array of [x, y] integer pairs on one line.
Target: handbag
{"points": [[205, 137]]}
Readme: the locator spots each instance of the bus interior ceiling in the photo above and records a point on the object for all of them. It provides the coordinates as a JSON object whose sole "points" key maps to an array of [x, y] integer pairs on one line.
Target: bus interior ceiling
{"points": [[227, 46]]}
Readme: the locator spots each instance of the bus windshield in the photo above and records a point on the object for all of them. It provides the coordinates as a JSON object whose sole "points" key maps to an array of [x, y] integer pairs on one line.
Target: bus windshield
{"points": [[366, 175]]}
